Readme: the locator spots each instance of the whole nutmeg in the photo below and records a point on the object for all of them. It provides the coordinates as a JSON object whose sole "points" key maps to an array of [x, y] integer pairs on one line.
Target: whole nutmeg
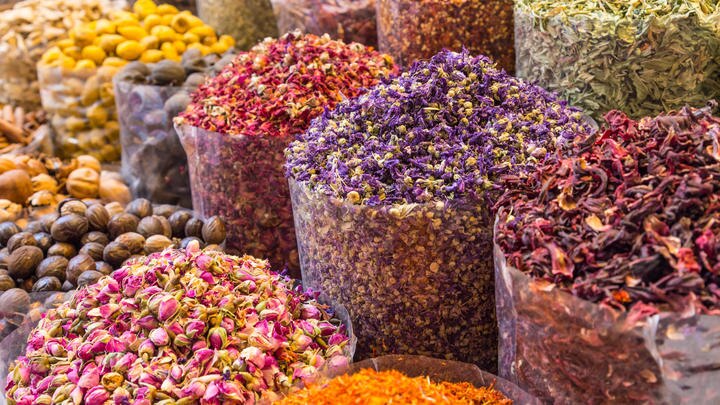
{"points": [[16, 186], [140, 207], [95, 237], [6, 282], [66, 250], [47, 283], [89, 162], [193, 227], [77, 265], [114, 208], [134, 241], [35, 227], [54, 266], [114, 190], [178, 220], [28, 283], [154, 225], [165, 210], [213, 232], [69, 228], [68, 286], [20, 239], [83, 183], [14, 300], [115, 254], [3, 259], [186, 241], [94, 250], [7, 230], [72, 206], [89, 277], [121, 223], [48, 220], [23, 261], [157, 243], [104, 268], [43, 240], [98, 217]]}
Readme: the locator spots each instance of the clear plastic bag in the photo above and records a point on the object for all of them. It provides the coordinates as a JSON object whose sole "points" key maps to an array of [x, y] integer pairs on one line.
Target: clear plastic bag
{"points": [[348, 20], [248, 21], [154, 164], [411, 30], [569, 351], [81, 110], [416, 279], [241, 178]]}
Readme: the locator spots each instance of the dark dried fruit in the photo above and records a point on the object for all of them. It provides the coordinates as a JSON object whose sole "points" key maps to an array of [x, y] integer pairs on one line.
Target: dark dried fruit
{"points": [[116, 253], [122, 223], [43, 240], [69, 228], [52, 266], [157, 243], [14, 300], [213, 232], [23, 261], [6, 282], [20, 239], [134, 241], [7, 230], [47, 283], [89, 277], [98, 217], [140, 207], [193, 227], [64, 249], [104, 268], [72, 206], [178, 220], [94, 250], [95, 237], [77, 266]]}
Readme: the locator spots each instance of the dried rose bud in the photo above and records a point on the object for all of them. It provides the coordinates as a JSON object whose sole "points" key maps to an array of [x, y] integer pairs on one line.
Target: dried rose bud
{"points": [[159, 337]]}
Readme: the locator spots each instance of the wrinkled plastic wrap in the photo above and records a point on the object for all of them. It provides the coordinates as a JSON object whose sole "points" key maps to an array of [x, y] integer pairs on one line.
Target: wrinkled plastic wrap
{"points": [[248, 21], [348, 20], [241, 179], [412, 30], [81, 109], [154, 164], [416, 279], [570, 351]]}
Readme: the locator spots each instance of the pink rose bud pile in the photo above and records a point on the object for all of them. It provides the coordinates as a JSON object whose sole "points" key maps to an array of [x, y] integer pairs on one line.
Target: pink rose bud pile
{"points": [[180, 326]]}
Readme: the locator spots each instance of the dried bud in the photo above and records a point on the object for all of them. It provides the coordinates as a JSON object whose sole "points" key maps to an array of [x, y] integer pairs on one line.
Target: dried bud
{"points": [[159, 337], [218, 337]]}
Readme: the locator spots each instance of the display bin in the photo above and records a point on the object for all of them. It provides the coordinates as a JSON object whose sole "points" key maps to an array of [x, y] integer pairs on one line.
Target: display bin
{"points": [[416, 279], [241, 179], [648, 60], [81, 110], [248, 21], [348, 20], [154, 164], [411, 30], [566, 350]]}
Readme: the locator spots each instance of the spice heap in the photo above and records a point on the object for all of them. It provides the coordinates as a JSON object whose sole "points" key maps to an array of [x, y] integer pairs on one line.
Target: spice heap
{"points": [[19, 128], [248, 21], [148, 96], [391, 193], [347, 20], [387, 387], [84, 241], [639, 57], [246, 116], [76, 75], [26, 32], [412, 30], [629, 222], [179, 324]]}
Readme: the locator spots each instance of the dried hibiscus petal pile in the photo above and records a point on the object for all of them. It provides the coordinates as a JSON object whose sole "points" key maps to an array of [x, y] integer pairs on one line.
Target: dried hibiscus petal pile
{"points": [[189, 325], [240, 122]]}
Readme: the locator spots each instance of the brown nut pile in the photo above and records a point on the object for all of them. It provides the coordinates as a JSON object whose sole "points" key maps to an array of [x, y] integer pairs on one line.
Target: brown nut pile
{"points": [[83, 241]]}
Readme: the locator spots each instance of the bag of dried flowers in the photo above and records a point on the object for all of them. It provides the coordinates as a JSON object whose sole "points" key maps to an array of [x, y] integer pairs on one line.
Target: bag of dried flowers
{"points": [[148, 96], [182, 325], [412, 30], [607, 266], [240, 122], [248, 21], [393, 193], [348, 20]]}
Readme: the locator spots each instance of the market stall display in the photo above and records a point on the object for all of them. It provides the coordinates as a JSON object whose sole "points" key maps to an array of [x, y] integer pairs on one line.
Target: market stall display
{"points": [[148, 96], [248, 21], [392, 194], [180, 325], [607, 263], [347, 20], [76, 75], [240, 122], [27, 30], [412, 30], [641, 58]]}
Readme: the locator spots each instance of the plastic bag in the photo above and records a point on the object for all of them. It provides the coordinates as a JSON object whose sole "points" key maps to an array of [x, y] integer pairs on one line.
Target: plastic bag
{"points": [[416, 279], [248, 21], [154, 164], [570, 351], [411, 30], [81, 109], [242, 180], [348, 20]]}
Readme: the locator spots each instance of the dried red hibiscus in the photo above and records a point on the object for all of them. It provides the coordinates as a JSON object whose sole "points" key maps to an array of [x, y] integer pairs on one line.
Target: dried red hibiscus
{"points": [[633, 217]]}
